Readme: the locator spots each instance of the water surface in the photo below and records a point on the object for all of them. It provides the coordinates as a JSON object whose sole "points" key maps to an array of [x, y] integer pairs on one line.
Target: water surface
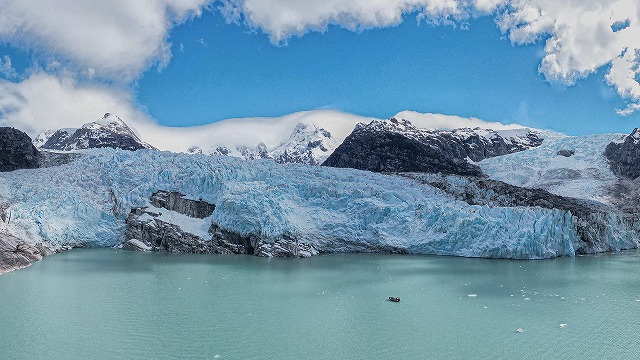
{"points": [[108, 304]]}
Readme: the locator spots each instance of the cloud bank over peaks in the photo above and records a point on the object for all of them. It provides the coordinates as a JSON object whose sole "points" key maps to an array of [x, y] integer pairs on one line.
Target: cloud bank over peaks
{"points": [[116, 39], [448, 122], [45, 101], [581, 36]]}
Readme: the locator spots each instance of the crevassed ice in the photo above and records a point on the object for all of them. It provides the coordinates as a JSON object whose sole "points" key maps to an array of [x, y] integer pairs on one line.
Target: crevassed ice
{"points": [[87, 201]]}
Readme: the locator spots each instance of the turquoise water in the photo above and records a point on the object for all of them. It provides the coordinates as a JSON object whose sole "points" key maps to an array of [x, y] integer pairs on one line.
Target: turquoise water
{"points": [[108, 304]]}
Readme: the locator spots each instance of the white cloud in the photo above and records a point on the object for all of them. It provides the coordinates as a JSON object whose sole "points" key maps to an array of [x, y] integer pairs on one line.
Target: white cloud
{"points": [[440, 121], [44, 101], [584, 36], [118, 39], [6, 68], [284, 18], [580, 34]]}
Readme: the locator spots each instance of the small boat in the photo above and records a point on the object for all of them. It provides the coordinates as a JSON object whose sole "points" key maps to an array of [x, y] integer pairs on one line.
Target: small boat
{"points": [[394, 299]]}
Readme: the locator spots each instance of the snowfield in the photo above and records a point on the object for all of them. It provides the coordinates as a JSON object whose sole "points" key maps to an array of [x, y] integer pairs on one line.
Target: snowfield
{"points": [[584, 175], [335, 210]]}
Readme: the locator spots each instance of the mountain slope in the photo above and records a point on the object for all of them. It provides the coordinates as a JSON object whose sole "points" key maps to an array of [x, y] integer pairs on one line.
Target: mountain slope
{"points": [[17, 151], [110, 131], [396, 145], [307, 144], [585, 174]]}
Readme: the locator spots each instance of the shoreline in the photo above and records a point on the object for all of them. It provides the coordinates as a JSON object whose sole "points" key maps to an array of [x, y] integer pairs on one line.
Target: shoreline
{"points": [[16, 254]]}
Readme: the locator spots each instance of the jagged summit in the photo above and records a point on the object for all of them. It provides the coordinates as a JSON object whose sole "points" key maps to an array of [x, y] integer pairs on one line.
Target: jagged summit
{"points": [[307, 144], [396, 145], [623, 155], [109, 131]]}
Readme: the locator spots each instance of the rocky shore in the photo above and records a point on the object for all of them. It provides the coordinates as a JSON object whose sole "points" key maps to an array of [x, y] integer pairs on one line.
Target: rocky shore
{"points": [[174, 223], [16, 254]]}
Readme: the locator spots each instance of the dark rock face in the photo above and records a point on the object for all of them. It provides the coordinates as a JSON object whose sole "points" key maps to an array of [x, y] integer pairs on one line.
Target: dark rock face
{"points": [[16, 254], [17, 151], [147, 231], [566, 153], [109, 132], [624, 156], [592, 220], [398, 146], [175, 201]]}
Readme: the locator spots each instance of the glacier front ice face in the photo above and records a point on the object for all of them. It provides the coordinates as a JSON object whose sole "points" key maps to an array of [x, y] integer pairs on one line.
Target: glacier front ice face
{"points": [[86, 202]]}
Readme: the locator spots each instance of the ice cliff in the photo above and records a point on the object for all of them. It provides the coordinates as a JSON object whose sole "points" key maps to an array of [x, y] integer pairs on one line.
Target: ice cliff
{"points": [[87, 200]]}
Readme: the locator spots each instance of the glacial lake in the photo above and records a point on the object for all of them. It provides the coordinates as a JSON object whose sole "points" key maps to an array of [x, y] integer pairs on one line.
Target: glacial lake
{"points": [[108, 304]]}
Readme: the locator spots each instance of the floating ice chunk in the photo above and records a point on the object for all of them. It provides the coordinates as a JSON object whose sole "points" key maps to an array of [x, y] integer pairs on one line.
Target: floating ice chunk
{"points": [[519, 330], [563, 325]]}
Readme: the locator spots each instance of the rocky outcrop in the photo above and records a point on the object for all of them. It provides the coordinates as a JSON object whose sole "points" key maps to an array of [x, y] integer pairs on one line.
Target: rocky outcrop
{"points": [[624, 155], [17, 151], [110, 132], [398, 146], [566, 153], [593, 221], [175, 201], [153, 229], [16, 254]]}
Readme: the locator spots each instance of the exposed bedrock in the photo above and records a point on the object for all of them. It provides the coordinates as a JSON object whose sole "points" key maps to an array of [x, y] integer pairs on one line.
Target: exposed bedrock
{"points": [[599, 227], [17, 151], [149, 231], [16, 254], [624, 155], [396, 145], [175, 201]]}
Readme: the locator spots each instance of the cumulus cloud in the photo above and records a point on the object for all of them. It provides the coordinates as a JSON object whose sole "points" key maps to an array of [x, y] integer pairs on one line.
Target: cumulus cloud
{"points": [[581, 36], [284, 18], [117, 39], [44, 101], [6, 68]]}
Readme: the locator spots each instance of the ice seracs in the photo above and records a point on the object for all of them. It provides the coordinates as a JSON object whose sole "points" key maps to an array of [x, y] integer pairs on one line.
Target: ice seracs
{"points": [[88, 201]]}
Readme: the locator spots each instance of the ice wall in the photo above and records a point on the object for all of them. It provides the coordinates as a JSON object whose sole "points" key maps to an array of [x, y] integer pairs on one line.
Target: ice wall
{"points": [[86, 202]]}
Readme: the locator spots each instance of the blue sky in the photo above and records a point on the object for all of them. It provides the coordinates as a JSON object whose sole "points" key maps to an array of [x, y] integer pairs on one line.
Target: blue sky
{"points": [[473, 72], [254, 63]]}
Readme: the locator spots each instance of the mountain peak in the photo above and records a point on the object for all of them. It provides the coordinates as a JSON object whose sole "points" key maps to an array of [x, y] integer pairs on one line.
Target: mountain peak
{"points": [[109, 131]]}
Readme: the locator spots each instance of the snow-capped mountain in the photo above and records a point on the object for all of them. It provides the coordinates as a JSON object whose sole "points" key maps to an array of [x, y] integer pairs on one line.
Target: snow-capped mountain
{"points": [[304, 137], [396, 145], [307, 144], [42, 138], [307, 137], [110, 131]]}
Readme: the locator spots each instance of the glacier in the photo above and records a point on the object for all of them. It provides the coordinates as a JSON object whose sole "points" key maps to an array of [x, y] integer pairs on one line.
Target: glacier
{"points": [[85, 203], [585, 174]]}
